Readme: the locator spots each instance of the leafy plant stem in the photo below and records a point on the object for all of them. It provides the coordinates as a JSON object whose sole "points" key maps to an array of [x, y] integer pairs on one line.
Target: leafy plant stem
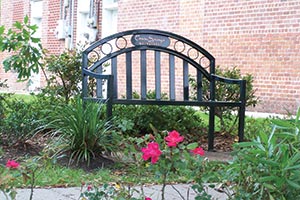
{"points": [[163, 186], [32, 182]]}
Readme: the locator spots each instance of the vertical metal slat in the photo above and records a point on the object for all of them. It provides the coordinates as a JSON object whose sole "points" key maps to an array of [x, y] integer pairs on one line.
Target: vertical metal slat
{"points": [[115, 75], [128, 75], [185, 81], [211, 129], [109, 104], [84, 78], [99, 83], [143, 61], [172, 77], [242, 110], [199, 86], [157, 76]]}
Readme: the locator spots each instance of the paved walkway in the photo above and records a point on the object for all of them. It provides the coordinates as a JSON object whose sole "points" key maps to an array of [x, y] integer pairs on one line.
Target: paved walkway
{"points": [[154, 192]]}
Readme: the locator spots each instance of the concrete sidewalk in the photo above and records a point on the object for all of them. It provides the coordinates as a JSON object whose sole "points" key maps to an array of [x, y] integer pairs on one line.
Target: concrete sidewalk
{"points": [[154, 192]]}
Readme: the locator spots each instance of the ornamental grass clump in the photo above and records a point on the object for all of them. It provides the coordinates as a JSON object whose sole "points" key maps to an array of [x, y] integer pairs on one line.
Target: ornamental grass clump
{"points": [[80, 129]]}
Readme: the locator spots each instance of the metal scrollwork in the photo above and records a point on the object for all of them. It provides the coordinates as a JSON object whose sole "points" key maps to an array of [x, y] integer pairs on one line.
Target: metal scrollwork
{"points": [[177, 46], [193, 51], [204, 62], [93, 56], [106, 48], [121, 41]]}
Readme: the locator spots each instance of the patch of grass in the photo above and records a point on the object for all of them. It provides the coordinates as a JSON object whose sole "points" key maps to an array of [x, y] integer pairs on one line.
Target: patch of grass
{"points": [[24, 97], [205, 118], [60, 176]]}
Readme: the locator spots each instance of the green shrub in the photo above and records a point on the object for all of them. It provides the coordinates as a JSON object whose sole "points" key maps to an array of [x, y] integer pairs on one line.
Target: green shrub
{"points": [[64, 78], [269, 166], [21, 118], [3, 98], [135, 120], [253, 126], [81, 130], [226, 92]]}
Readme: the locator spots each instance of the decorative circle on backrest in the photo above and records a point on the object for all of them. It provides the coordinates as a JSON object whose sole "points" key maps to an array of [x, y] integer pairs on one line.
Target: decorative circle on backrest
{"points": [[106, 48], [94, 56], [121, 43], [193, 53], [179, 46], [204, 62]]}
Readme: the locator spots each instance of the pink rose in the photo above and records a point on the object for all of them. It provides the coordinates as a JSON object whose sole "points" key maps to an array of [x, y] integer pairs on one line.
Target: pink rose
{"points": [[12, 164], [198, 151], [173, 138], [151, 151], [148, 198]]}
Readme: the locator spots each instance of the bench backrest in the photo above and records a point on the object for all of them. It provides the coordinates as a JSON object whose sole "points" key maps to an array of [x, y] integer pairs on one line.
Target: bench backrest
{"points": [[136, 61]]}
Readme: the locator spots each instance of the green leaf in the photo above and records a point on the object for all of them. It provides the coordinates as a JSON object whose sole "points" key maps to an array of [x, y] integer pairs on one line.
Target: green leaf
{"points": [[268, 178], [264, 137], [298, 115], [295, 158], [293, 184], [2, 29], [192, 146], [282, 123], [247, 144], [292, 167], [269, 186], [35, 40], [271, 197], [26, 19], [270, 163], [18, 25]]}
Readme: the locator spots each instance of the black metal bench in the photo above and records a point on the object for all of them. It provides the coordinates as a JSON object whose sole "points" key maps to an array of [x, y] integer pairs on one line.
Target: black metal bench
{"points": [[127, 62]]}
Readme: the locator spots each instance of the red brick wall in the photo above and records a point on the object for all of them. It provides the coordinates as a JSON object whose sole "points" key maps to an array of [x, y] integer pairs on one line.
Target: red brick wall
{"points": [[51, 10], [261, 38], [157, 14]]}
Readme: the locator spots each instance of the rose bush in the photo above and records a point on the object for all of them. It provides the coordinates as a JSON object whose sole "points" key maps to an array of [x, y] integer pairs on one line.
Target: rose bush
{"points": [[6, 179], [171, 156]]}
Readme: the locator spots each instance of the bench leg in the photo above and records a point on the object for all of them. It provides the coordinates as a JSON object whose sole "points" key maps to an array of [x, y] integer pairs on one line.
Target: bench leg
{"points": [[211, 130], [241, 123]]}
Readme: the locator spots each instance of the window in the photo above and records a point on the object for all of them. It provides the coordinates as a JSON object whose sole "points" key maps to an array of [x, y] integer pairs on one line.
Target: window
{"points": [[36, 14], [109, 17]]}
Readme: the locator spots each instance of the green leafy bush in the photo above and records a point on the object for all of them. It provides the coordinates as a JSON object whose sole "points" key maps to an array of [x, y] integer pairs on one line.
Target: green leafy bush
{"points": [[135, 120], [22, 117], [65, 75], [269, 166], [81, 130], [253, 126], [3, 99], [226, 92]]}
